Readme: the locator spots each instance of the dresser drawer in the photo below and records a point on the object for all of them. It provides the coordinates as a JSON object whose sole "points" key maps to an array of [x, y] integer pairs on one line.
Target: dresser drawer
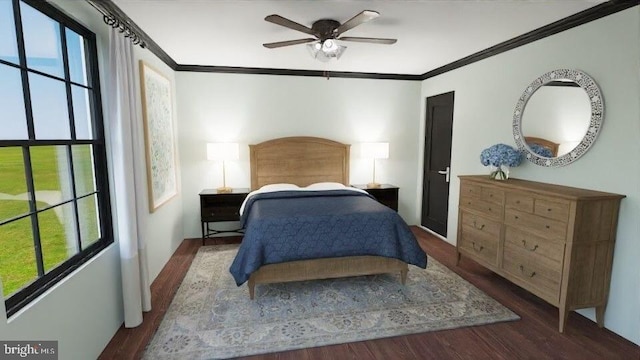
{"points": [[487, 208], [537, 225], [552, 250], [519, 201], [470, 189], [541, 277], [552, 209], [492, 195], [489, 227], [479, 245]]}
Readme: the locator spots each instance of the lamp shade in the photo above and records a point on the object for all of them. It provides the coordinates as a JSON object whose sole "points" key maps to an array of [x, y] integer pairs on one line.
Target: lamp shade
{"points": [[223, 151], [375, 150]]}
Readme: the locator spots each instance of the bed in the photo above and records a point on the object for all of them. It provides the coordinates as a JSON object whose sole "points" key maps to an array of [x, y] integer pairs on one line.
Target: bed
{"points": [[308, 219], [542, 147]]}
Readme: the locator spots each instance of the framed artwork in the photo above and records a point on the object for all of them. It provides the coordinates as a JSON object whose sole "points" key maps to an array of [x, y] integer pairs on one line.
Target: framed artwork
{"points": [[158, 136]]}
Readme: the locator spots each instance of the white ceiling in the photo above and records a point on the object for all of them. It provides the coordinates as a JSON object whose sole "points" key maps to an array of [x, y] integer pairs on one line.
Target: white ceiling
{"points": [[430, 33]]}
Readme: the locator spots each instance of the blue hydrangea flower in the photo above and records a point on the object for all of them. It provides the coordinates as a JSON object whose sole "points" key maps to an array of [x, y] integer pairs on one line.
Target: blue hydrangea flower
{"points": [[500, 154], [540, 150]]}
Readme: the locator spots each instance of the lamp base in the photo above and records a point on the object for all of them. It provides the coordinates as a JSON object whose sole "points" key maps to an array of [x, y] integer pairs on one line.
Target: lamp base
{"points": [[373, 185], [224, 190]]}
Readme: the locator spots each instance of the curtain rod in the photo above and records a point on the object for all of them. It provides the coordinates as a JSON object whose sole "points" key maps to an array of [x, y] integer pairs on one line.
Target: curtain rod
{"points": [[117, 22]]}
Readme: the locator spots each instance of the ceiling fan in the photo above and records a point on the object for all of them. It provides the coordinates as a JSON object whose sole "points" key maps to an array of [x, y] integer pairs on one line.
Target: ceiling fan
{"points": [[323, 45]]}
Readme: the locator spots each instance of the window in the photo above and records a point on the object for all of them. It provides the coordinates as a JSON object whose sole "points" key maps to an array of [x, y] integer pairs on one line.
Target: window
{"points": [[54, 198]]}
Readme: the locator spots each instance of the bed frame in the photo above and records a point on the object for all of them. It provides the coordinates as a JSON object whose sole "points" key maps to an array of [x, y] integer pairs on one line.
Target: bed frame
{"points": [[553, 147], [304, 161]]}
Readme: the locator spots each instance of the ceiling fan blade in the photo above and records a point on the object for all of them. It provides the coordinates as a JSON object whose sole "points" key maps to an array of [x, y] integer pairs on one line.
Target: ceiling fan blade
{"points": [[369, 40], [361, 18], [278, 44], [279, 20]]}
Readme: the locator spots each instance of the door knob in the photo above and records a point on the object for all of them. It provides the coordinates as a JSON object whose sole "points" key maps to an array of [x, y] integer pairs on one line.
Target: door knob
{"points": [[446, 173]]}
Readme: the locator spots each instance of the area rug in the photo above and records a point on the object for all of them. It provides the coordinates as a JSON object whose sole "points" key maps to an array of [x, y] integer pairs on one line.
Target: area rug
{"points": [[211, 318]]}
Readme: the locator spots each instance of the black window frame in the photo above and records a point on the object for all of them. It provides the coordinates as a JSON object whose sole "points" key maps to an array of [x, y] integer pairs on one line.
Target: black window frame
{"points": [[45, 281]]}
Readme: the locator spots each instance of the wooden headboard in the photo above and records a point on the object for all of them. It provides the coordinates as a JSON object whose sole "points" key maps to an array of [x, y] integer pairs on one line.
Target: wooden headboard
{"points": [[553, 147], [299, 160]]}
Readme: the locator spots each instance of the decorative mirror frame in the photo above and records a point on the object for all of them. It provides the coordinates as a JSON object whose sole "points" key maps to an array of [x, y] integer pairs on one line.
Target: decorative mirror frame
{"points": [[597, 114]]}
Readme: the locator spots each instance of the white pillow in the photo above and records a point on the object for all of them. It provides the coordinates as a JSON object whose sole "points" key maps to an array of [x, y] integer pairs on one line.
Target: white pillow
{"points": [[279, 187], [326, 186]]}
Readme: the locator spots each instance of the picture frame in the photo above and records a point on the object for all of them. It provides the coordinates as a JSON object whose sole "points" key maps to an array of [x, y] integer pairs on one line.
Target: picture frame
{"points": [[160, 152]]}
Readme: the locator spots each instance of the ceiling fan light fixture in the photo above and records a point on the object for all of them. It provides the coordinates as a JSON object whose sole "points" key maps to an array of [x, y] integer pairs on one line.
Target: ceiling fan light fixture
{"points": [[329, 46], [323, 52]]}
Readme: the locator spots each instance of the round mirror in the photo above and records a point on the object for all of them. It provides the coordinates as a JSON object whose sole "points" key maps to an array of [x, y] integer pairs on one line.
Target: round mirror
{"points": [[558, 117]]}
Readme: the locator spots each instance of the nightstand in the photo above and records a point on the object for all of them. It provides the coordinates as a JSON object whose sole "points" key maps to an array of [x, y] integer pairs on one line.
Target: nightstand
{"points": [[216, 207], [385, 194]]}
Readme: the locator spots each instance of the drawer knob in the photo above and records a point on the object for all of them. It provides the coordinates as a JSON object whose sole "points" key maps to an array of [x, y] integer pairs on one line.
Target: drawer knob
{"points": [[476, 225], [531, 274], [517, 201], [516, 217], [524, 244], [473, 244], [548, 209], [548, 227]]}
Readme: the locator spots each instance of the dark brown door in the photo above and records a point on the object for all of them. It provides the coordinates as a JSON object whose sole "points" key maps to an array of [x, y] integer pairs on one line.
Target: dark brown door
{"points": [[437, 162]]}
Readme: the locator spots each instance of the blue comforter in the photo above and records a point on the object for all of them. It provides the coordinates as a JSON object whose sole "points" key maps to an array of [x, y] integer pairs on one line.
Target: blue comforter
{"points": [[299, 225]]}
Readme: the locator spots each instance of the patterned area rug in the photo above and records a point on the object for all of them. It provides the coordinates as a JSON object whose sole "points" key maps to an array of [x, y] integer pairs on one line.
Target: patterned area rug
{"points": [[211, 318]]}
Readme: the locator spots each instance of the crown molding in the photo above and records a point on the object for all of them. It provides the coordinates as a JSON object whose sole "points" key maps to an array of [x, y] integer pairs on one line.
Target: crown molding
{"points": [[291, 72], [581, 18]]}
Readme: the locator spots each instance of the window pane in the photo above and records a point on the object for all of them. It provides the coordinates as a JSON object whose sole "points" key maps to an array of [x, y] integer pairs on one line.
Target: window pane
{"points": [[83, 169], [42, 41], [81, 114], [89, 228], [58, 235], [13, 184], [8, 46], [14, 121], [51, 178], [17, 258], [76, 55], [49, 103]]}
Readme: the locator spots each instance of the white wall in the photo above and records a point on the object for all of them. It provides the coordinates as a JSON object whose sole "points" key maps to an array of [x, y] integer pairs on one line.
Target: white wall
{"points": [[486, 93], [249, 109], [84, 311]]}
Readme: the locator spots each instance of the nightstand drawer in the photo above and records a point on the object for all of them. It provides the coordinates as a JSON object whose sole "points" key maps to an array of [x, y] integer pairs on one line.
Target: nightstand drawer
{"points": [[220, 213], [221, 206]]}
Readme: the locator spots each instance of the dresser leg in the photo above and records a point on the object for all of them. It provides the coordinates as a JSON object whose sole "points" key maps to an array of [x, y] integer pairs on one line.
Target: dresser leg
{"points": [[458, 255], [600, 315], [563, 315]]}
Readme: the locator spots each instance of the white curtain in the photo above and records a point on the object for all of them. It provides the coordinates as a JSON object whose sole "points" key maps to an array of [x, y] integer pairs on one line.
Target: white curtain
{"points": [[125, 138]]}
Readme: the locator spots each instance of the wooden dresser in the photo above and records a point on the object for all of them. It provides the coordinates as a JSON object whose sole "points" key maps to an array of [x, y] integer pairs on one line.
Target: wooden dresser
{"points": [[554, 241]]}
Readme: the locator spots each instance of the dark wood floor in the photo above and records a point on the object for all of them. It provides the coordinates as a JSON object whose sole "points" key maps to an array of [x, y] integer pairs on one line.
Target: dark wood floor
{"points": [[535, 336]]}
